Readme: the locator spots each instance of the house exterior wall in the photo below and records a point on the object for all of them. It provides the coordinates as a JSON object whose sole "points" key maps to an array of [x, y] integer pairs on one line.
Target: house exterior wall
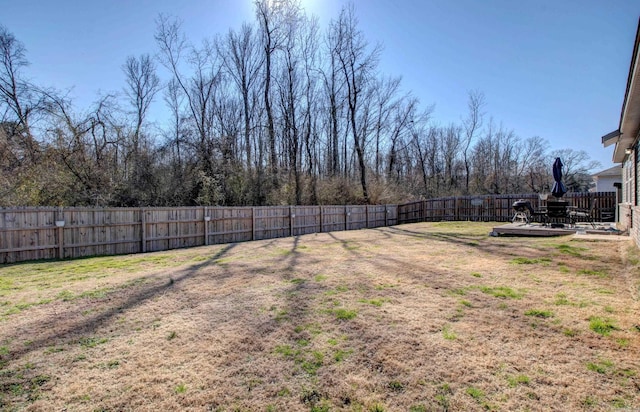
{"points": [[629, 208], [635, 160], [605, 183], [635, 208], [627, 147], [629, 219], [635, 229]]}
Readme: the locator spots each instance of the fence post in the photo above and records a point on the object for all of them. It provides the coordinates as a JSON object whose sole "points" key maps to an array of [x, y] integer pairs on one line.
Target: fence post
{"points": [[346, 218], [321, 218], [143, 230], [253, 223], [366, 215], [60, 233], [206, 226], [291, 217], [424, 206], [386, 215]]}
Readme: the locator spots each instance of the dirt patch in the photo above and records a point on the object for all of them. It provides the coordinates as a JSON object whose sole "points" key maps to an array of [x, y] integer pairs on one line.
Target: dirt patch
{"points": [[416, 317]]}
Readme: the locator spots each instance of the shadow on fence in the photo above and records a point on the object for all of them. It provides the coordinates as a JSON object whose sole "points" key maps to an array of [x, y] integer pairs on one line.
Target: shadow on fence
{"points": [[63, 233]]}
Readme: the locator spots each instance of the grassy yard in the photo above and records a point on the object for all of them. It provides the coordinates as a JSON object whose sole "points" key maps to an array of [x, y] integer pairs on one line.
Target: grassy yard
{"points": [[420, 317]]}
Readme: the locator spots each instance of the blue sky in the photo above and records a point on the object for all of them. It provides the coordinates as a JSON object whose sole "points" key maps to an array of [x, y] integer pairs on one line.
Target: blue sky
{"points": [[554, 69]]}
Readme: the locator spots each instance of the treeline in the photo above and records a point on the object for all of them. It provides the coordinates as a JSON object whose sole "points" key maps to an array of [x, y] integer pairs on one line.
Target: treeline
{"points": [[277, 111]]}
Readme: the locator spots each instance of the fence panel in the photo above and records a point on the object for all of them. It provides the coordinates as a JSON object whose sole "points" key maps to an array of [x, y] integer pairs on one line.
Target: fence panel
{"points": [[412, 212], [334, 218], [356, 217], [498, 208], [230, 225], [392, 215], [173, 228], [377, 215], [48, 233], [306, 220], [90, 232], [28, 234], [272, 222]]}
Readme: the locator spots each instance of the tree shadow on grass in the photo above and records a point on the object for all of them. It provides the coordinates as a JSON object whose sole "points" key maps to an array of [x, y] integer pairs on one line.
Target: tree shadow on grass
{"points": [[54, 331], [294, 254], [458, 239]]}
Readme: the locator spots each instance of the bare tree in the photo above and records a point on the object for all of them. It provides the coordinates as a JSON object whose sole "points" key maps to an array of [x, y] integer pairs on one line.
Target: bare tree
{"points": [[267, 113], [268, 13], [333, 89], [450, 143], [534, 169], [472, 125], [88, 147], [420, 130], [503, 158], [176, 152], [290, 94], [309, 42], [142, 85], [20, 101], [357, 64], [385, 92], [435, 160], [242, 62], [199, 91], [403, 112]]}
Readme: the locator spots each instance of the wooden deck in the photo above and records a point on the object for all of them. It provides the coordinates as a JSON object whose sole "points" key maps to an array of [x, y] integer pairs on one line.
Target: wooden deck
{"points": [[537, 229], [532, 229]]}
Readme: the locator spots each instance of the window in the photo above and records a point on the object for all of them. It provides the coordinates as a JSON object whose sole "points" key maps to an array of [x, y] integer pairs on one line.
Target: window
{"points": [[628, 185]]}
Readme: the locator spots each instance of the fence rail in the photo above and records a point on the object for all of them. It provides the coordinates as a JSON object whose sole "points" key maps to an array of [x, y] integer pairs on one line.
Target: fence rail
{"points": [[498, 208], [50, 233]]}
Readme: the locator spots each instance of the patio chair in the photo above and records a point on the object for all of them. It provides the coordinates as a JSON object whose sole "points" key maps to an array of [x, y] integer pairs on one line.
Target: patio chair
{"points": [[608, 214], [540, 215], [557, 213], [582, 215]]}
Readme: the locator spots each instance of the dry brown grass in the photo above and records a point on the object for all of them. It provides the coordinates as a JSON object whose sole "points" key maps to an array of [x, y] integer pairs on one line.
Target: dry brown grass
{"points": [[417, 317]]}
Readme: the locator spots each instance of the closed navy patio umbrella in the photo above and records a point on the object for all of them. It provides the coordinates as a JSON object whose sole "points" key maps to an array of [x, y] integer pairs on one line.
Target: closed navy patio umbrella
{"points": [[558, 187]]}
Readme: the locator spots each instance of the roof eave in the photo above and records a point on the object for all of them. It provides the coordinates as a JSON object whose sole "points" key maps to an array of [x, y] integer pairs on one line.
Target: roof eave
{"points": [[627, 133], [620, 151], [611, 138]]}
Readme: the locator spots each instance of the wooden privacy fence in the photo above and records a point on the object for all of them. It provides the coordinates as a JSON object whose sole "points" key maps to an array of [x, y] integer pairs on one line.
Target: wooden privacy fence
{"points": [[49, 233], [498, 208]]}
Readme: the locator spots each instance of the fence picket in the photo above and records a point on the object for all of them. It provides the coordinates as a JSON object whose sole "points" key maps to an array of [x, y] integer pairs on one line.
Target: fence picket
{"points": [[31, 233]]}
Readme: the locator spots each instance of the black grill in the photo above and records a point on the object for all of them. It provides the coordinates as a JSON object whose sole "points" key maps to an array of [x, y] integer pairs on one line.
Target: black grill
{"points": [[522, 206]]}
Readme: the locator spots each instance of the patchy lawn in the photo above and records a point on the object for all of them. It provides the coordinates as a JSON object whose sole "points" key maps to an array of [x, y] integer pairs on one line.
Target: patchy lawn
{"points": [[420, 317]]}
